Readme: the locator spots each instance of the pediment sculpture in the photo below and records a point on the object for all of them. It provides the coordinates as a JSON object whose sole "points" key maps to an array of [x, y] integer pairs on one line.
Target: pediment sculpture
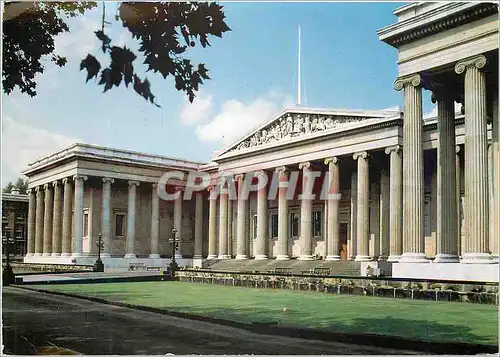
{"points": [[295, 125]]}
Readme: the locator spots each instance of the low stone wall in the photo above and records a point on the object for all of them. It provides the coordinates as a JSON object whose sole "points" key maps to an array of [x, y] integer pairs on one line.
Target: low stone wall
{"points": [[50, 267], [483, 294]]}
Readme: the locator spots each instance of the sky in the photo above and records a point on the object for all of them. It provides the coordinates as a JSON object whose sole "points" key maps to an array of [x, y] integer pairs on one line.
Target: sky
{"points": [[253, 72]]}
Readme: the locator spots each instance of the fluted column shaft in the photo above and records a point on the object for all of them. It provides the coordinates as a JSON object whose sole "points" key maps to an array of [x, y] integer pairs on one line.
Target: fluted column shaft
{"points": [[198, 226], [413, 170], [223, 226], [212, 226], [354, 217], [384, 222], [495, 139], [333, 227], [446, 169], [57, 220], [67, 223], [31, 222], [476, 161], [39, 220], [261, 241], [178, 221], [363, 209], [132, 197], [241, 245], [78, 237], [47, 222], [155, 223], [106, 216], [229, 228], [458, 184], [306, 213], [282, 245], [395, 203]]}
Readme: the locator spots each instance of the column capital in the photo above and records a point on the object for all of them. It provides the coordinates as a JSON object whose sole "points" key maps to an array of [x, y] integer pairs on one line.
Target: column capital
{"points": [[478, 61], [239, 177], [260, 173], [29, 191], [305, 165], [154, 186], [46, 186], [80, 177], [108, 179], [457, 149], [38, 189], [395, 148], [132, 182], [65, 180], [281, 170], [179, 188], [414, 80], [333, 160], [55, 183], [362, 154]]}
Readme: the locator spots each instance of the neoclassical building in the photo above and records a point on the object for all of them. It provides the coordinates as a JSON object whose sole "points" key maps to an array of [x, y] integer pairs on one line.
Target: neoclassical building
{"points": [[419, 194]]}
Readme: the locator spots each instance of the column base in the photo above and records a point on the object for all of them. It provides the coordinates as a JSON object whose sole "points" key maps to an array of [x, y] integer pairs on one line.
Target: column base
{"points": [[394, 258], [178, 256], [29, 254], [130, 256], [306, 257], [37, 254], [55, 255], [65, 254], [212, 256], [282, 257], [224, 256], [477, 258], [382, 258], [76, 255], [446, 258], [332, 257], [260, 257], [154, 256], [363, 258], [105, 255], [198, 256], [413, 258], [241, 257], [46, 254]]}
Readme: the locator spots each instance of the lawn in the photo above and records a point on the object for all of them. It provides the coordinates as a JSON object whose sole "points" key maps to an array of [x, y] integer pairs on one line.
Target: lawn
{"points": [[424, 320]]}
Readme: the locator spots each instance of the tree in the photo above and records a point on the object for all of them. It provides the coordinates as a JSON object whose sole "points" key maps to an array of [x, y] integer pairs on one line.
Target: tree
{"points": [[164, 32], [21, 184]]}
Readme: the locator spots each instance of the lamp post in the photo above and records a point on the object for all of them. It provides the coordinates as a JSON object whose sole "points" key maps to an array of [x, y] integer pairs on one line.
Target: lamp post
{"points": [[8, 276], [174, 240], [99, 266]]}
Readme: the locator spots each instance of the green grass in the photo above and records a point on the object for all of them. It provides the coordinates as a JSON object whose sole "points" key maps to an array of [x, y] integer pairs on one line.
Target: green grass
{"points": [[424, 320]]}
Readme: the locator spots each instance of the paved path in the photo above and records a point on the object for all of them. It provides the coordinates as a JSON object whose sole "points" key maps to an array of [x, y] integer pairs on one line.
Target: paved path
{"points": [[39, 319]]}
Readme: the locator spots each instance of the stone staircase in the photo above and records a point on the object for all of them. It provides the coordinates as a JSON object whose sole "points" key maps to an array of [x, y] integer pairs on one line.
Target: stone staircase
{"points": [[344, 268]]}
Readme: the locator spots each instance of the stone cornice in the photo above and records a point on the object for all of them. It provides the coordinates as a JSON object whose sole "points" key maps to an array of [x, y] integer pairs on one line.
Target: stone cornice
{"points": [[436, 20], [16, 198]]}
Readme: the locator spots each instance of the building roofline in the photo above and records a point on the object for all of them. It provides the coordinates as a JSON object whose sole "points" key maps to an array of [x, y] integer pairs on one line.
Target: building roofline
{"points": [[20, 197]]}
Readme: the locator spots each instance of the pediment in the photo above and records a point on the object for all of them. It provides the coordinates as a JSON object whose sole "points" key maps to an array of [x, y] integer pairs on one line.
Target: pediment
{"points": [[295, 125]]}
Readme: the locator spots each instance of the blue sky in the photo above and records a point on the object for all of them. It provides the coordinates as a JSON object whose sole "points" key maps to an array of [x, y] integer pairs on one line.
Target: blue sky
{"points": [[254, 74]]}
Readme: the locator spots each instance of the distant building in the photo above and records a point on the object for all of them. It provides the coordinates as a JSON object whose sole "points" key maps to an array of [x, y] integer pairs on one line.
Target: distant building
{"points": [[15, 221]]}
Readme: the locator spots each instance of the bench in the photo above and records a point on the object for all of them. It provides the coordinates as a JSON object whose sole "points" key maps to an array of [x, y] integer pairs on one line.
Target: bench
{"points": [[136, 266], [153, 268]]}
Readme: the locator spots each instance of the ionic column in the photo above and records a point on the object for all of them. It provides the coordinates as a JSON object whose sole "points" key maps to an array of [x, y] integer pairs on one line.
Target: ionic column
{"points": [[354, 217], [458, 200], [306, 252], [395, 203], [476, 162], [495, 220], [155, 223], [332, 231], [67, 223], [57, 220], [413, 170], [212, 225], [78, 238], [446, 168], [132, 196], [31, 222], [223, 226], [260, 249], [363, 209], [90, 227], [282, 244], [491, 197], [198, 226], [106, 217], [241, 245], [178, 220], [384, 221], [40, 198], [229, 228], [47, 222]]}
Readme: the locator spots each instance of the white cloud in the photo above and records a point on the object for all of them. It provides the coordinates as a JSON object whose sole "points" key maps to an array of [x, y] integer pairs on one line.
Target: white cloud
{"points": [[22, 144], [237, 118], [433, 113], [80, 40], [199, 111]]}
